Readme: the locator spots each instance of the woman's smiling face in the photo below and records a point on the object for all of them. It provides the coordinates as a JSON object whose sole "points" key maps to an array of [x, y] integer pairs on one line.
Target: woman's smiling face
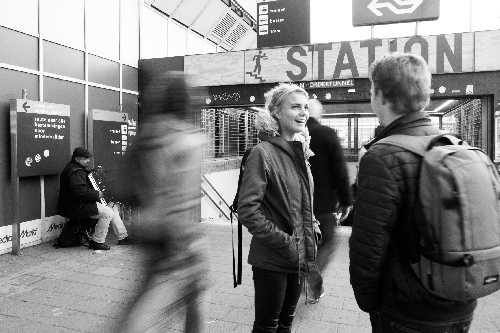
{"points": [[293, 115]]}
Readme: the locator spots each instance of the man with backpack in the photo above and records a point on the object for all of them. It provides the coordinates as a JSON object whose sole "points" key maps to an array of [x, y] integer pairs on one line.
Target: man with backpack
{"points": [[385, 236]]}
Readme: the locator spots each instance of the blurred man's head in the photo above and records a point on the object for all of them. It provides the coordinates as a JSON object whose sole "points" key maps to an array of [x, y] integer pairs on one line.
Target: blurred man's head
{"points": [[315, 109], [401, 84], [171, 93]]}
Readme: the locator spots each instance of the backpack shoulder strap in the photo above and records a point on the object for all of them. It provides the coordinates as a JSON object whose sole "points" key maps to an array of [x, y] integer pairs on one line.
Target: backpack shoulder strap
{"points": [[416, 144], [234, 209], [234, 206]]}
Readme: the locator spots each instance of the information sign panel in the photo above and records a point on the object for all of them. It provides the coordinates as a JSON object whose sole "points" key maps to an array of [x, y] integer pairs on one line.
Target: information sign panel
{"points": [[40, 134], [283, 22], [108, 137]]}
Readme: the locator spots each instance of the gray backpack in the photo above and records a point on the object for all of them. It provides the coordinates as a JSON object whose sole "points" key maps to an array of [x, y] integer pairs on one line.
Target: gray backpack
{"points": [[459, 200]]}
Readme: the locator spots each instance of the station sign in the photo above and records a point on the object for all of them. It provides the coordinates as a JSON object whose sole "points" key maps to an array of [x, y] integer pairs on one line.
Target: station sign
{"points": [[283, 22], [40, 136], [373, 12]]}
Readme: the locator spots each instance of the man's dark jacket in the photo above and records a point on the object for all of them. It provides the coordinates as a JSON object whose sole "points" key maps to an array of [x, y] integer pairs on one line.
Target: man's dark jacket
{"points": [[329, 170], [384, 234], [77, 198]]}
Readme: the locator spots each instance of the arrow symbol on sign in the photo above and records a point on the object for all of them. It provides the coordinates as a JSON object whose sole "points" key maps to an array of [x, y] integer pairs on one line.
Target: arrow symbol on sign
{"points": [[25, 106], [124, 118], [374, 6]]}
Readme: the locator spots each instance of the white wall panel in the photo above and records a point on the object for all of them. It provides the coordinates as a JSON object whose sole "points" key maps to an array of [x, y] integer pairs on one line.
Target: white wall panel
{"points": [[154, 27], [20, 15], [129, 35], [62, 22], [103, 28]]}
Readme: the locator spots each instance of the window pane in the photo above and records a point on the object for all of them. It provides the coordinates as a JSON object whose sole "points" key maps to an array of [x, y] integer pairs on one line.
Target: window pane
{"points": [[485, 15], [22, 49], [21, 15], [102, 27], [104, 99], [194, 44], [176, 39], [454, 16], [104, 71], [130, 78], [209, 47], [129, 41], [62, 22], [153, 34], [62, 60]]}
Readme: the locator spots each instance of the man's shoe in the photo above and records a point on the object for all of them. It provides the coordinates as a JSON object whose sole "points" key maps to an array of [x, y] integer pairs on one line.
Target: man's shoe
{"points": [[98, 246], [128, 241]]}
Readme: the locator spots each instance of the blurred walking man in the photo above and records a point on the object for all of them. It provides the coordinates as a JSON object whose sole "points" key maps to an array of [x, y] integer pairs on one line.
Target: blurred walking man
{"points": [[331, 189]]}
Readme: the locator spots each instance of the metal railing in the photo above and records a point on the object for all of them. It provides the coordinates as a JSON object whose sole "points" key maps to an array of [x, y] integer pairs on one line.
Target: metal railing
{"points": [[228, 132]]}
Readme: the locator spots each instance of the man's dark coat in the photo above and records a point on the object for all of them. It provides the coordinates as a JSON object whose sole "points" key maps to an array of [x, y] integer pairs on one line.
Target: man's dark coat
{"points": [[77, 198]]}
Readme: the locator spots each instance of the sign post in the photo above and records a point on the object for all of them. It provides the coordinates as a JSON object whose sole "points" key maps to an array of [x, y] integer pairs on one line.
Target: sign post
{"points": [[39, 135]]}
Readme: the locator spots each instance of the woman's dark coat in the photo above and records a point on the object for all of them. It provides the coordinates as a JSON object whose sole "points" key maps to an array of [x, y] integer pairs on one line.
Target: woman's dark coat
{"points": [[275, 205]]}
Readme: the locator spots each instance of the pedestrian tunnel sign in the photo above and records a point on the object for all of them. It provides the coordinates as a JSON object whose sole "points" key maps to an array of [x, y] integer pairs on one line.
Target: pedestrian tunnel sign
{"points": [[373, 12]]}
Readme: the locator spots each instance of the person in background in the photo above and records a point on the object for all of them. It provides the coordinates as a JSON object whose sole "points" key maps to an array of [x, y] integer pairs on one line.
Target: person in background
{"points": [[384, 235], [78, 199], [275, 205], [167, 184], [331, 190]]}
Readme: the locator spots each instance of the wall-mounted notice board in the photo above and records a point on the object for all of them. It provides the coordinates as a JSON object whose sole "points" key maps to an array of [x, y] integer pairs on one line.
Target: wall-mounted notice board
{"points": [[108, 137], [40, 140]]}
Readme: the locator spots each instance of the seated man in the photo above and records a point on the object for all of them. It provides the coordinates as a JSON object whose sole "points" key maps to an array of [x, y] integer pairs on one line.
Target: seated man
{"points": [[77, 199]]}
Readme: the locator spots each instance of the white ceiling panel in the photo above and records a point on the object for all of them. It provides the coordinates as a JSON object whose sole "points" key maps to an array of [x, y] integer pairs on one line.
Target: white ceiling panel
{"points": [[188, 10], [210, 17], [166, 6]]}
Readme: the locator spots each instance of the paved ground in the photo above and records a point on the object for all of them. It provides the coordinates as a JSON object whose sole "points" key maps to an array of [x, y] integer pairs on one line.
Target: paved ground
{"points": [[78, 290]]}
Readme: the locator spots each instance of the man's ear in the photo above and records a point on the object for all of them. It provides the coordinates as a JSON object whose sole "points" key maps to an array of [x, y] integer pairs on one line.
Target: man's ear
{"points": [[379, 93]]}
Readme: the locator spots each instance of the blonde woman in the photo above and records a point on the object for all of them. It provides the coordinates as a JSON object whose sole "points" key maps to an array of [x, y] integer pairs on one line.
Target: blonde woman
{"points": [[275, 205]]}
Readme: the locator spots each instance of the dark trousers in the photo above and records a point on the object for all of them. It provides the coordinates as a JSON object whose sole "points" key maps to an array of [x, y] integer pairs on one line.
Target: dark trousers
{"points": [[396, 323], [276, 298], [325, 250]]}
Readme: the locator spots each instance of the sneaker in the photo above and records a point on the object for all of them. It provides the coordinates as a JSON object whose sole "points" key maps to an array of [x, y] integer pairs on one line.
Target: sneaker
{"points": [[128, 241], [98, 246]]}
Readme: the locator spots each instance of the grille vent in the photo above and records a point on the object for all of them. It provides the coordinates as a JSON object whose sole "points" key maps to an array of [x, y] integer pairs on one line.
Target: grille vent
{"points": [[236, 34], [224, 25]]}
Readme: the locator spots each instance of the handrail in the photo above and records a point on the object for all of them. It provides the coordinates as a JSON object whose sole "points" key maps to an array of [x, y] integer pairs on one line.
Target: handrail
{"points": [[203, 178], [209, 197]]}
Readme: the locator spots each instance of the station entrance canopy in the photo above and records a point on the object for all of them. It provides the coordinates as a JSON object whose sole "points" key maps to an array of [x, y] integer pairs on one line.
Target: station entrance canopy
{"points": [[451, 53]]}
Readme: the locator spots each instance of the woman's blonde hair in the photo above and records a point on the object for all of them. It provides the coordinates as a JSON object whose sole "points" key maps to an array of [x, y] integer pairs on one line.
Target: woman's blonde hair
{"points": [[267, 120], [277, 95]]}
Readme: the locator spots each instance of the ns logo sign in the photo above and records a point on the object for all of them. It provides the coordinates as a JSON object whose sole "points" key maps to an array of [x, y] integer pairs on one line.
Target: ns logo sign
{"points": [[372, 12]]}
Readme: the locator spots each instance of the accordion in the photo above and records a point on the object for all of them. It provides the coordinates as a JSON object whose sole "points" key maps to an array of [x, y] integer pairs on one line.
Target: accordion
{"points": [[99, 182]]}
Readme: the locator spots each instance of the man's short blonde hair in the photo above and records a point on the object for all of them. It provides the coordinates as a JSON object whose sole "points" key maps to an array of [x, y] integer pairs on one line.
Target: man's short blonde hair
{"points": [[405, 80]]}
